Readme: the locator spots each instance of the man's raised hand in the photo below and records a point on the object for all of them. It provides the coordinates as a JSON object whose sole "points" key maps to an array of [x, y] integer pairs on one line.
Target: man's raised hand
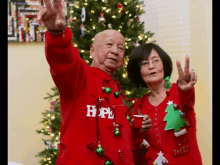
{"points": [[52, 16]]}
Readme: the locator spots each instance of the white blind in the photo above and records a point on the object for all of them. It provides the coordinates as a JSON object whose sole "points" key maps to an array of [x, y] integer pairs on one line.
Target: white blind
{"points": [[169, 20]]}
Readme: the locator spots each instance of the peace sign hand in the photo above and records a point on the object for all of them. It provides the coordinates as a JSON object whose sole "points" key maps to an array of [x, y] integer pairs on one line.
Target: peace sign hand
{"points": [[187, 79], [52, 17]]}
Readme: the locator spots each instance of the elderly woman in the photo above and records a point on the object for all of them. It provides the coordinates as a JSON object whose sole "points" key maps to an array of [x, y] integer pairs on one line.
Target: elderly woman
{"points": [[172, 137]]}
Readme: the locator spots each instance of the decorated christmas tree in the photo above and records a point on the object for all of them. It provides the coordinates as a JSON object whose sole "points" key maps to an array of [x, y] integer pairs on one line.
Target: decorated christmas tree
{"points": [[51, 122], [86, 18]]}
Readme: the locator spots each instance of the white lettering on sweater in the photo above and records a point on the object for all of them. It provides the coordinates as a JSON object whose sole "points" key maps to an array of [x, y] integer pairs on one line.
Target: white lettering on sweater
{"points": [[91, 112]]}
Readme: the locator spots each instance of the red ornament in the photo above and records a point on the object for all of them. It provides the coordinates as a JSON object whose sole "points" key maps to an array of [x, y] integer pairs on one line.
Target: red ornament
{"points": [[120, 7], [164, 162]]}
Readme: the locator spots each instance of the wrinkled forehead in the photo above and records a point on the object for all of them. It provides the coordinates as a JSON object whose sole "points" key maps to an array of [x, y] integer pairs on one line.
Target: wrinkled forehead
{"points": [[113, 35]]}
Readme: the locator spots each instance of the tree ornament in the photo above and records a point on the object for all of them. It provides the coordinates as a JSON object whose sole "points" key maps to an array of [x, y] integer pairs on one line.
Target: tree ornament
{"points": [[129, 118], [167, 84], [175, 106], [83, 29], [164, 162], [182, 114], [117, 132], [116, 94], [108, 162], [154, 163], [83, 14], [102, 18], [173, 118], [136, 44], [99, 150], [120, 7], [107, 90]]}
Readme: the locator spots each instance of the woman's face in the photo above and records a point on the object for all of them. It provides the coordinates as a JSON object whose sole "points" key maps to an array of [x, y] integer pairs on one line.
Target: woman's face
{"points": [[152, 71]]}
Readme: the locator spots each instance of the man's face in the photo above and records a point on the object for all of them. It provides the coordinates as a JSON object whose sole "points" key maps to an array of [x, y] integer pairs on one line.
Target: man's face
{"points": [[108, 51]]}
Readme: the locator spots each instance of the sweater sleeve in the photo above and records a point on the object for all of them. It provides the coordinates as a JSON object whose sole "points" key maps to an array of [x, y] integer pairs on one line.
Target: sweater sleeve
{"points": [[187, 97], [66, 66]]}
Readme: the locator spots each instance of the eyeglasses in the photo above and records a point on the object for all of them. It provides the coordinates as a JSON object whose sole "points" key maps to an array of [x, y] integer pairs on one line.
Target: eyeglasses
{"points": [[146, 63]]}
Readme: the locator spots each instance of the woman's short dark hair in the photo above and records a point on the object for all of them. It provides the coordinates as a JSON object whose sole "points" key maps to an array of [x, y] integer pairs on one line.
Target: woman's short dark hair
{"points": [[142, 53]]}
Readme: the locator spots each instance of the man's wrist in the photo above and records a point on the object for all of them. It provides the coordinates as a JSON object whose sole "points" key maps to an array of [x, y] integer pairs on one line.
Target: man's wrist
{"points": [[56, 32]]}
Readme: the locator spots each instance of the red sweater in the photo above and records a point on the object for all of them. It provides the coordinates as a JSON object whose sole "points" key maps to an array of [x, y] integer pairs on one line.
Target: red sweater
{"points": [[185, 146], [80, 88]]}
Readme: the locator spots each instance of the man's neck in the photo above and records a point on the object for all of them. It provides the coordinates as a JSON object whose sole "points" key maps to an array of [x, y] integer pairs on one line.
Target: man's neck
{"points": [[106, 70]]}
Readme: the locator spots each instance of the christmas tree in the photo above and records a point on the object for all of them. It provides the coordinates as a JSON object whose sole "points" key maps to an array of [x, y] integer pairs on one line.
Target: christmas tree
{"points": [[51, 122], [174, 117], [86, 18]]}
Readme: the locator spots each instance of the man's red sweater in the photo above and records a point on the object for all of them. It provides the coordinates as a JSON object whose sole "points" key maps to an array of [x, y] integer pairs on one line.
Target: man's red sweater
{"points": [[80, 89]]}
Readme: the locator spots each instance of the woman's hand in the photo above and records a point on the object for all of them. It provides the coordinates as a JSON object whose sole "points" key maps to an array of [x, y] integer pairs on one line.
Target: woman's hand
{"points": [[52, 17], [187, 79], [146, 123]]}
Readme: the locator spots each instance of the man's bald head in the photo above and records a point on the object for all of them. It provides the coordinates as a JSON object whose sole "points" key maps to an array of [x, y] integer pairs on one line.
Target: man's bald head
{"points": [[99, 36]]}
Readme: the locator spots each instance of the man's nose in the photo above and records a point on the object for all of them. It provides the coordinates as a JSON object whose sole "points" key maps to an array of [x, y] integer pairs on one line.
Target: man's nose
{"points": [[115, 49]]}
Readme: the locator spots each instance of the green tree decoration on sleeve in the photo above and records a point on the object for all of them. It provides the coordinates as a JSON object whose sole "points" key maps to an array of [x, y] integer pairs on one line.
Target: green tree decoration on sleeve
{"points": [[174, 118]]}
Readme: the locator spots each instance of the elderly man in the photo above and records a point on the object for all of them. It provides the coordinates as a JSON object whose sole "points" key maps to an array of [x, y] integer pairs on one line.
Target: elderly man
{"points": [[94, 126]]}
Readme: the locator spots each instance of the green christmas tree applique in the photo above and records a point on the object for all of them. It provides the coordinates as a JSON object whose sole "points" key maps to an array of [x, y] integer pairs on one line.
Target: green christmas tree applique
{"points": [[173, 118]]}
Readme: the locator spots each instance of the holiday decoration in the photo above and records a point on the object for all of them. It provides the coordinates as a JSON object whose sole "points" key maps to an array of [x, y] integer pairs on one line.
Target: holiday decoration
{"points": [[120, 8], [129, 118], [107, 90], [179, 133], [99, 150], [116, 94], [101, 18], [167, 84], [117, 132], [83, 14], [160, 159], [136, 44], [121, 154], [83, 29], [108, 162], [173, 118], [175, 106], [144, 144], [182, 114]]}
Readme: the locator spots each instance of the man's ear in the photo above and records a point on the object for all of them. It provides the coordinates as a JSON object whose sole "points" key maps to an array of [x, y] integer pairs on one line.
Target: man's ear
{"points": [[92, 50]]}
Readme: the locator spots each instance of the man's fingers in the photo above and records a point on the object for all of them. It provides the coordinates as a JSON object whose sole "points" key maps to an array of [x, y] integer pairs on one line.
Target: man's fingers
{"points": [[40, 16], [48, 4], [57, 3], [186, 68], [179, 69]]}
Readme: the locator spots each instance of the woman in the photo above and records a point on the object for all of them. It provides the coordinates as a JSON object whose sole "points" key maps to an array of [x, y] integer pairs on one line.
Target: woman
{"points": [[172, 137]]}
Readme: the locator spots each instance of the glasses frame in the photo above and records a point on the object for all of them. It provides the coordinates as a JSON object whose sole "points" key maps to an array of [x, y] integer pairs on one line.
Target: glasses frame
{"points": [[140, 63]]}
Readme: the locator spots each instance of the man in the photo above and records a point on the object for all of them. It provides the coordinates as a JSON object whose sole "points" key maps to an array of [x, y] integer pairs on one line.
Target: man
{"points": [[94, 126]]}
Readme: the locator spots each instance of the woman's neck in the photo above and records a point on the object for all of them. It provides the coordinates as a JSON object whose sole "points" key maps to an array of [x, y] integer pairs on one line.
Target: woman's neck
{"points": [[157, 89]]}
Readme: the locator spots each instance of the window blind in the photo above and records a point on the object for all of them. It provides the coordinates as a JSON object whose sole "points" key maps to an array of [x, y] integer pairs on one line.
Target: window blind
{"points": [[169, 20]]}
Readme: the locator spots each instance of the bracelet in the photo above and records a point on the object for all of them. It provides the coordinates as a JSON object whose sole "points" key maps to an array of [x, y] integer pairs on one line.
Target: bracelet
{"points": [[58, 31]]}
